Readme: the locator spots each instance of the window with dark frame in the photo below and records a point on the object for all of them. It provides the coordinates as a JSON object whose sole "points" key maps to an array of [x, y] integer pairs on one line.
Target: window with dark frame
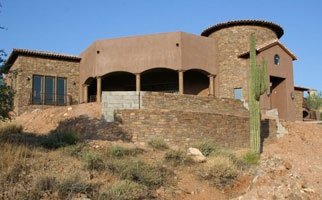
{"points": [[37, 87], [49, 90]]}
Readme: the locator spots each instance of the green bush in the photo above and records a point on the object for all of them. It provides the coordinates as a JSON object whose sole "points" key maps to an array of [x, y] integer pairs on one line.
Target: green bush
{"points": [[6, 100], [73, 185], [207, 147], [251, 158], [158, 143], [118, 151], [177, 157], [126, 190], [93, 161], [7, 131], [59, 139], [314, 101], [138, 171], [220, 171], [47, 183], [76, 150]]}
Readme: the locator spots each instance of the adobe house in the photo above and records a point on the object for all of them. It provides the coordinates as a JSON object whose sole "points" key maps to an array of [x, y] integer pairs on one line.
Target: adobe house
{"points": [[212, 64]]}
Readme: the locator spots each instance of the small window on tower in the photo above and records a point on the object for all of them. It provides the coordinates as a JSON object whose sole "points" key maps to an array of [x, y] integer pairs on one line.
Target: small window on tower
{"points": [[276, 59], [238, 93]]}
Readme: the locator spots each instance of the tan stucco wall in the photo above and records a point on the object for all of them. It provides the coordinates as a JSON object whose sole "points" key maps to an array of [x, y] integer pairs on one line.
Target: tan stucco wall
{"points": [[285, 104], [139, 53]]}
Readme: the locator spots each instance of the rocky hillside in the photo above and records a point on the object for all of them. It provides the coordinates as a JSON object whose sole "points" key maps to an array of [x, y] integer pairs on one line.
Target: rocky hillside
{"points": [[289, 168]]}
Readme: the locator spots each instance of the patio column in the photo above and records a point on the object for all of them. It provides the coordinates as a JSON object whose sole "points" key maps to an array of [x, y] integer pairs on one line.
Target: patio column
{"points": [[85, 93], [138, 82], [181, 87], [211, 85], [99, 88]]}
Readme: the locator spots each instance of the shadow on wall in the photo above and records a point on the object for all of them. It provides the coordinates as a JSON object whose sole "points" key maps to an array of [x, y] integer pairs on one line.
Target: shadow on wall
{"points": [[267, 135]]}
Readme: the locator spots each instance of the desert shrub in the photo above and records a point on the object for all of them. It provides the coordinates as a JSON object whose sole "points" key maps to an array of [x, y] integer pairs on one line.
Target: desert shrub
{"points": [[126, 190], [93, 160], [17, 173], [46, 183], [62, 138], [138, 171], [220, 171], [158, 143], [7, 131], [118, 151], [76, 150], [73, 185], [177, 157], [207, 147], [6, 100], [251, 158]]}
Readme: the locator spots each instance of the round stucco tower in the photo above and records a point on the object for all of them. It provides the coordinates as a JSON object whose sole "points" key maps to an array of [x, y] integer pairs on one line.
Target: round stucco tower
{"points": [[232, 40]]}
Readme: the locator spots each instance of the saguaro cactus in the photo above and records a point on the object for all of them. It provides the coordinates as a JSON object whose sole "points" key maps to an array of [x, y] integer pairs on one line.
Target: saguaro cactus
{"points": [[257, 87]]}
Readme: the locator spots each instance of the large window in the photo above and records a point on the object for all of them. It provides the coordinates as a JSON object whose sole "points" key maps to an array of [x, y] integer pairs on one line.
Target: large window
{"points": [[49, 90]]}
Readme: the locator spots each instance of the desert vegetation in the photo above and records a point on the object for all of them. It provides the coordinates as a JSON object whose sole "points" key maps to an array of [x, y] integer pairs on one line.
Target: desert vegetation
{"points": [[61, 165]]}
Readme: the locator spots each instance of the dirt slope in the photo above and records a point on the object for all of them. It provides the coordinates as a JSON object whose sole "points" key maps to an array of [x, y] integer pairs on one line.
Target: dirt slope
{"points": [[290, 168]]}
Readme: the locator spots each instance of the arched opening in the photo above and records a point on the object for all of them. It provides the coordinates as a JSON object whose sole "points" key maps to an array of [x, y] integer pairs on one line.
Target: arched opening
{"points": [[91, 89], [160, 80], [196, 82], [118, 81]]}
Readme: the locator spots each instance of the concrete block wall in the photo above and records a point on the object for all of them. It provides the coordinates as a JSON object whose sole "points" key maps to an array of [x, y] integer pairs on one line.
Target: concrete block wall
{"points": [[112, 101]]}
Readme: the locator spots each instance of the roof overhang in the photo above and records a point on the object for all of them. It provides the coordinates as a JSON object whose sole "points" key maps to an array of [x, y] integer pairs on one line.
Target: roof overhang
{"points": [[44, 54], [274, 27], [300, 88], [268, 45]]}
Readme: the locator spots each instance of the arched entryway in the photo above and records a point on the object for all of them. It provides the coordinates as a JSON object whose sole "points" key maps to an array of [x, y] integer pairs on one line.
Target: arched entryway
{"points": [[89, 93], [118, 81], [160, 80], [196, 82]]}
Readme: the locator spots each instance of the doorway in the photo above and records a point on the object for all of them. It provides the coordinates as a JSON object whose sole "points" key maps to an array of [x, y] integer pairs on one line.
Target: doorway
{"points": [[278, 95]]}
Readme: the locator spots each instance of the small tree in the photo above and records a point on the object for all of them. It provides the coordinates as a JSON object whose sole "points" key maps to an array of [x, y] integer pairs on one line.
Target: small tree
{"points": [[314, 101], [6, 92]]}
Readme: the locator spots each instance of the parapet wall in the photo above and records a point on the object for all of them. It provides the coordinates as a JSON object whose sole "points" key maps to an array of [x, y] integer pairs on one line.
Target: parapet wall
{"points": [[185, 127], [157, 100], [181, 119]]}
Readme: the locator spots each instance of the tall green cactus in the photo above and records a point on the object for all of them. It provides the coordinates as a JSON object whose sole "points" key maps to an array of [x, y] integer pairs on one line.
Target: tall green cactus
{"points": [[257, 87]]}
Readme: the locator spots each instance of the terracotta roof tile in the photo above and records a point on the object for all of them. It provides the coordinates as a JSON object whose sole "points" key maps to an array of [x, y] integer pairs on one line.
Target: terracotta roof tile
{"points": [[275, 27]]}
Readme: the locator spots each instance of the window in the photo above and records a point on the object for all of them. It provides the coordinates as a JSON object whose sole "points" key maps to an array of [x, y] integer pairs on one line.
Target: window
{"points": [[37, 90], [276, 59], [238, 93], [61, 91], [49, 90]]}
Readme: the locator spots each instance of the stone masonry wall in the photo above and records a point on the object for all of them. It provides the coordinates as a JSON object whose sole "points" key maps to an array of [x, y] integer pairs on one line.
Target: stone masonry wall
{"points": [[233, 71], [157, 100], [183, 128], [27, 66], [299, 95]]}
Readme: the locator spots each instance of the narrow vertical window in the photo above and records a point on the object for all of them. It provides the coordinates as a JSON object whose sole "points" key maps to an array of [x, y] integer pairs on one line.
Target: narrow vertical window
{"points": [[37, 90], [61, 91], [49, 90], [238, 93]]}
